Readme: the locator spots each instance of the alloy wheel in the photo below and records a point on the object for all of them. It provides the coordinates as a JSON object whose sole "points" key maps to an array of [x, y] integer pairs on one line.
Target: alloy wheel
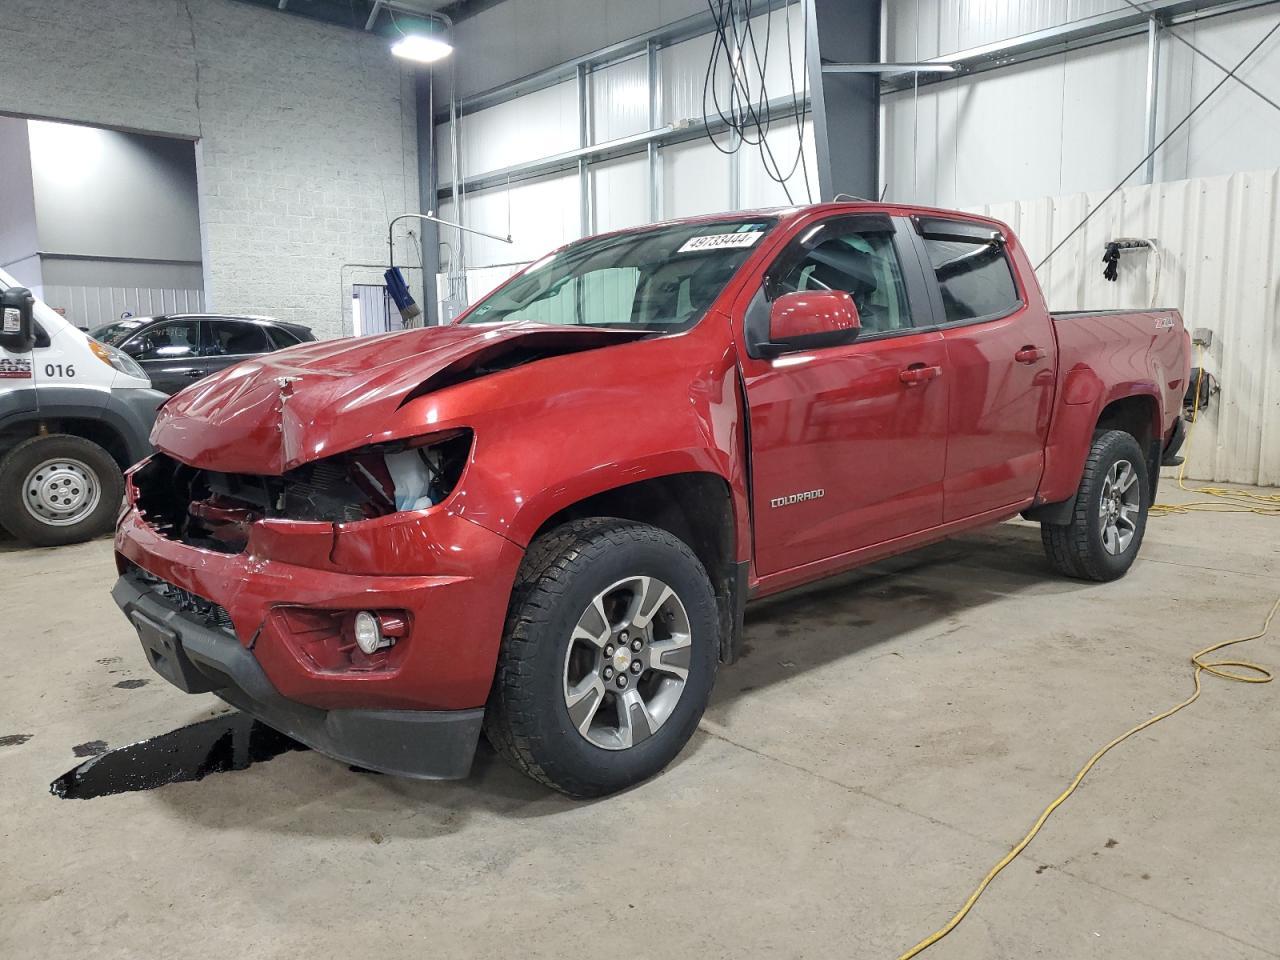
{"points": [[627, 662], [1119, 507]]}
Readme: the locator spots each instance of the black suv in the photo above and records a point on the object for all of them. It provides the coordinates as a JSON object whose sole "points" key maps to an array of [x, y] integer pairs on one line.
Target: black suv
{"points": [[178, 349]]}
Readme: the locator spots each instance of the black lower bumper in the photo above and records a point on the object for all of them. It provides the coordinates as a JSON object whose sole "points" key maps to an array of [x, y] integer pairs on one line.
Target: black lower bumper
{"points": [[423, 744]]}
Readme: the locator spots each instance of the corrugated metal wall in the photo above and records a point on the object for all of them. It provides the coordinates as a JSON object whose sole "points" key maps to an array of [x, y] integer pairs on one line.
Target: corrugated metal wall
{"points": [[1219, 264], [92, 307], [1074, 121], [922, 29]]}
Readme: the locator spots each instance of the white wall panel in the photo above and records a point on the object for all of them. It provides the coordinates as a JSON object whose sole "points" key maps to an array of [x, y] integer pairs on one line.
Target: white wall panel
{"points": [[544, 215], [921, 29], [695, 179], [682, 70], [620, 192], [1076, 121], [758, 189], [1220, 258], [1236, 130], [620, 99], [535, 125]]}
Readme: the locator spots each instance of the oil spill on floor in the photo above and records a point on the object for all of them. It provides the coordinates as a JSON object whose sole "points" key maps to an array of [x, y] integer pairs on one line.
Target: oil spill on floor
{"points": [[14, 739], [231, 741]]}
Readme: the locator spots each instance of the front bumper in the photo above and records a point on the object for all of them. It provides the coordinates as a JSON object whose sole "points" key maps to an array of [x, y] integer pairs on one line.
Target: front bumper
{"points": [[451, 577], [197, 658]]}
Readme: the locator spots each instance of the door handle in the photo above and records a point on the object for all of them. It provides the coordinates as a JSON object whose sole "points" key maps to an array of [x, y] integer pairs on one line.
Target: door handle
{"points": [[1030, 354], [919, 373], [193, 374]]}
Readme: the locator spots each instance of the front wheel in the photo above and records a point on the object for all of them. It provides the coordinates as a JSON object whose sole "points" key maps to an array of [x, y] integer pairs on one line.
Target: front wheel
{"points": [[608, 658], [59, 489], [1105, 532]]}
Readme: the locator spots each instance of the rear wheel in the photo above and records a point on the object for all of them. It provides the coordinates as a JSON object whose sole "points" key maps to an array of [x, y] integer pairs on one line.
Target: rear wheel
{"points": [[1110, 516], [59, 489], [608, 659]]}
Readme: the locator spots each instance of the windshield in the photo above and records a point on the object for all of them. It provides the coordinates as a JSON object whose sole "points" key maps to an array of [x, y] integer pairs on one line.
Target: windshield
{"points": [[662, 279], [116, 333]]}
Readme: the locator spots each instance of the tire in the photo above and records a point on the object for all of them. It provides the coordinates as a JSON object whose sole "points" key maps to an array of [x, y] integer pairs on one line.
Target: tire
{"points": [[555, 646], [1086, 548], [82, 478]]}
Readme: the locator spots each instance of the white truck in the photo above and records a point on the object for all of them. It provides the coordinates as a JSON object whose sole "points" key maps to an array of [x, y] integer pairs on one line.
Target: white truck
{"points": [[74, 414]]}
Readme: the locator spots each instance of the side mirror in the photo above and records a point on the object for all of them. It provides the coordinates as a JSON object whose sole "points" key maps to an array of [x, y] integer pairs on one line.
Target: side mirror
{"points": [[17, 320], [811, 320], [136, 348]]}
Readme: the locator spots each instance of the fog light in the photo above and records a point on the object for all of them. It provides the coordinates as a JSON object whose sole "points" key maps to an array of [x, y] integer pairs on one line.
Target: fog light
{"points": [[368, 632]]}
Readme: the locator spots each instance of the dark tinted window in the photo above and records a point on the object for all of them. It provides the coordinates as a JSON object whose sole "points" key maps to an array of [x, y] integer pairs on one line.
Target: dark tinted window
{"points": [[864, 265], [235, 338], [116, 333], [281, 338], [167, 341], [974, 276]]}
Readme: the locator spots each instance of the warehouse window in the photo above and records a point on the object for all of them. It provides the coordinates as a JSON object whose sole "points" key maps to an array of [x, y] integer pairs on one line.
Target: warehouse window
{"points": [[974, 277]]}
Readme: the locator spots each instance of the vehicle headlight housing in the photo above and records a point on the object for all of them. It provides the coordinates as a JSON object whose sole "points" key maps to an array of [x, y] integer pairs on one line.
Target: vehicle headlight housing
{"points": [[113, 357]]}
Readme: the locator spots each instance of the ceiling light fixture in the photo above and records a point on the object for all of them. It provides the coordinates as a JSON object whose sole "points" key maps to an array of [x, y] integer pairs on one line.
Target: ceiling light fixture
{"points": [[422, 48]]}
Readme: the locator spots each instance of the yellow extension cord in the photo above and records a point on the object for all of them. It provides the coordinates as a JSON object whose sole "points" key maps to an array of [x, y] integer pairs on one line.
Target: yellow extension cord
{"points": [[1238, 501]]}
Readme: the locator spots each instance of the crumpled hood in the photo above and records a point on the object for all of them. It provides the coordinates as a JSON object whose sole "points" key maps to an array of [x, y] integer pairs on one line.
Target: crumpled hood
{"points": [[273, 413]]}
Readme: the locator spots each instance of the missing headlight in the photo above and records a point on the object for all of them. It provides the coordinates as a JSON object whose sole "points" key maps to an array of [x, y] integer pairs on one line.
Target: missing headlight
{"points": [[215, 510]]}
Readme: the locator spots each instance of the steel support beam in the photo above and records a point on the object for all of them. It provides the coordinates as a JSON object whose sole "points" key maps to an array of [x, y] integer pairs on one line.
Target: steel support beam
{"points": [[654, 156], [845, 105], [585, 214], [889, 68], [429, 232], [1153, 95], [1086, 32]]}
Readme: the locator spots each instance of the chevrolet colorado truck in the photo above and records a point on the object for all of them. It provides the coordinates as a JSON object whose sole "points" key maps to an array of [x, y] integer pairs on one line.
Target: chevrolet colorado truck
{"points": [[544, 520]]}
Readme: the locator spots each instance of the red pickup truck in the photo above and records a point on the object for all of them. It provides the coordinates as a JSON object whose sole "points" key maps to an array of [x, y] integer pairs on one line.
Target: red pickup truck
{"points": [[545, 519]]}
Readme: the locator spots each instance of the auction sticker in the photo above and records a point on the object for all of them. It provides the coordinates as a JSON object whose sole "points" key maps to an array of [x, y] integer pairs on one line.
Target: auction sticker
{"points": [[721, 241], [19, 369]]}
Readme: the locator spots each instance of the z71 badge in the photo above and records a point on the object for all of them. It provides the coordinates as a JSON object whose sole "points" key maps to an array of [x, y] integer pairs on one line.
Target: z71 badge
{"points": [[11, 369], [797, 498]]}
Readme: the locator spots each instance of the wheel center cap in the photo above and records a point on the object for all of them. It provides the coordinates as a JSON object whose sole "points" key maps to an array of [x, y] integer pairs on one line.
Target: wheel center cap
{"points": [[621, 659], [61, 492]]}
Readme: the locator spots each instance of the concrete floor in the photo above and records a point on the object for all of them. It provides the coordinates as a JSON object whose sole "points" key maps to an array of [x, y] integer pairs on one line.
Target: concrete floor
{"points": [[887, 737]]}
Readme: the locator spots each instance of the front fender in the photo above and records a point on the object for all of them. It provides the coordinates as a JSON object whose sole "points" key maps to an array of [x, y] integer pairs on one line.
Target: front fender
{"points": [[530, 464]]}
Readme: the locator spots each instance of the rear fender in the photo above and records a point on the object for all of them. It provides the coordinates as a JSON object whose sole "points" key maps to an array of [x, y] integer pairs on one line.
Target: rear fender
{"points": [[1071, 436]]}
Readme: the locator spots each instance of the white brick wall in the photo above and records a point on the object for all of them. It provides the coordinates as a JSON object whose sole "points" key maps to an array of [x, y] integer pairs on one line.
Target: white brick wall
{"points": [[305, 132]]}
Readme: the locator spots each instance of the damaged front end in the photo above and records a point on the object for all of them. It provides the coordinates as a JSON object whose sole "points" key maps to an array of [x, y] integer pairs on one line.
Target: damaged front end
{"points": [[216, 511]]}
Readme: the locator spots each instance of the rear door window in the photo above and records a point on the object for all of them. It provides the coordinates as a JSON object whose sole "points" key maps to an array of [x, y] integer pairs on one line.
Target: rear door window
{"points": [[281, 338], [235, 338], [974, 277]]}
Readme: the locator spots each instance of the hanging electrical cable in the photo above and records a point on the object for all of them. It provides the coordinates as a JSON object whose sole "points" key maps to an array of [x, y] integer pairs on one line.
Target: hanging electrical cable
{"points": [[738, 62]]}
